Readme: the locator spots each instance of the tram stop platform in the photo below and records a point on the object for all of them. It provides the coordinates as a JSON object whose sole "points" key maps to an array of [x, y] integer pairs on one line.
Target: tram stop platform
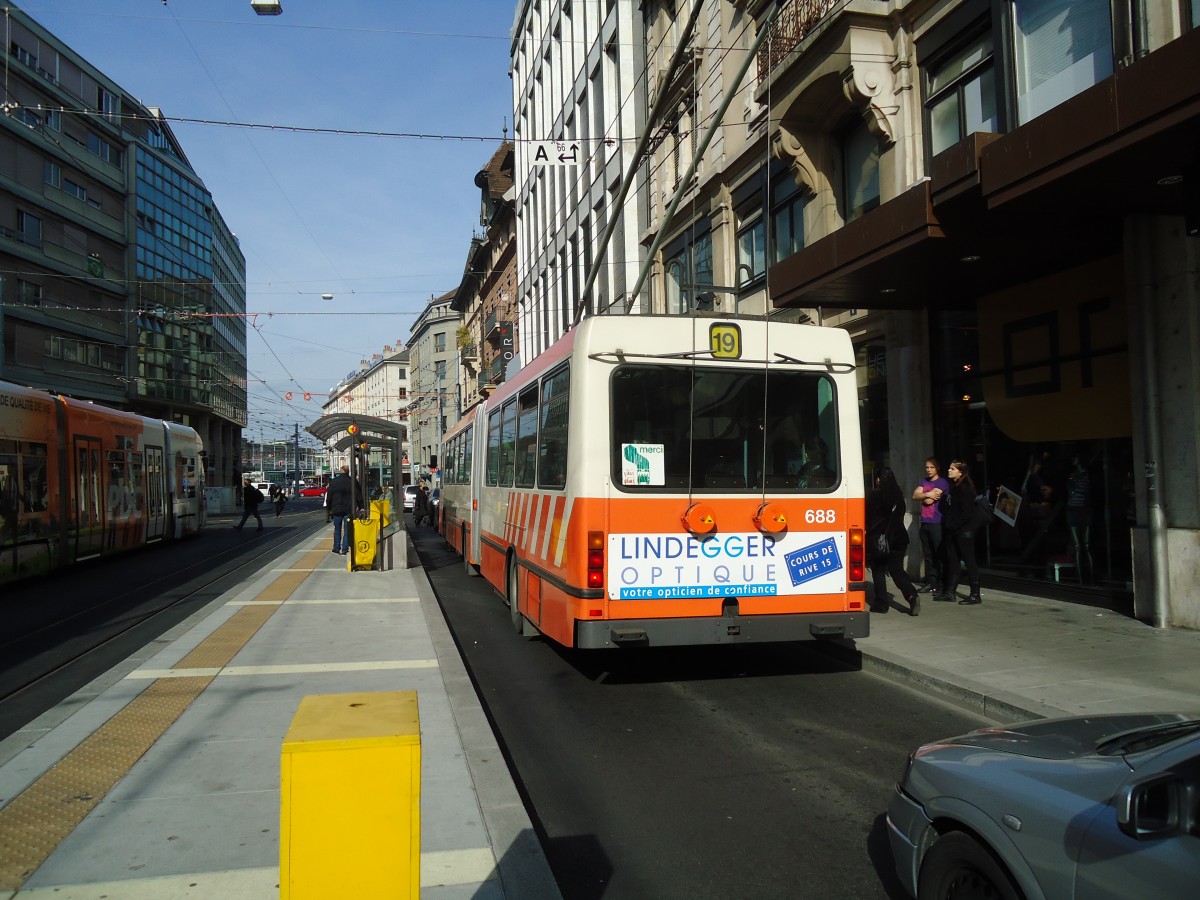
{"points": [[161, 779]]}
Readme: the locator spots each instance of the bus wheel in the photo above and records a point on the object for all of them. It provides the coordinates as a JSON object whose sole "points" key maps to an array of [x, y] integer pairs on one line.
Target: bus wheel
{"points": [[514, 609], [467, 567]]}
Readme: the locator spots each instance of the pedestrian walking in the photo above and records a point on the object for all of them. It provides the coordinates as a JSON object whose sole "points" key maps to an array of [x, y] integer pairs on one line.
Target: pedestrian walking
{"points": [[928, 492], [251, 498], [278, 499], [960, 519], [421, 505], [341, 505], [887, 539]]}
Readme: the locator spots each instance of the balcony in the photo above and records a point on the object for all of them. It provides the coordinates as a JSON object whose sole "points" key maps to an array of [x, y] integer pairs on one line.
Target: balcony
{"points": [[492, 373], [468, 355], [796, 19]]}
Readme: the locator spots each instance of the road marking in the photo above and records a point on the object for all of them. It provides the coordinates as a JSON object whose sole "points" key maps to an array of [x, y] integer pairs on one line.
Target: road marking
{"points": [[295, 669], [332, 601], [439, 868]]}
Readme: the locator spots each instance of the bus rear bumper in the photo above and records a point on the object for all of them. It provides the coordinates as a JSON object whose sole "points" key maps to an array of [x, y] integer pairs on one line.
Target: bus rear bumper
{"points": [[720, 630]]}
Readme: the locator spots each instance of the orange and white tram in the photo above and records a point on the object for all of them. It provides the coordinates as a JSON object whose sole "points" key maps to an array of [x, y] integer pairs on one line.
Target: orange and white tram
{"points": [[79, 480], [666, 480]]}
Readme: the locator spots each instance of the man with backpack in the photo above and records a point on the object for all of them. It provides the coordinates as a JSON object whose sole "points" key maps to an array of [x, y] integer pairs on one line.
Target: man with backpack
{"points": [[251, 497]]}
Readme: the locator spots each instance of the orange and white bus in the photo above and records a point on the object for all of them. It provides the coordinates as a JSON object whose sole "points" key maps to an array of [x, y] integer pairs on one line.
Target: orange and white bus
{"points": [[667, 480]]}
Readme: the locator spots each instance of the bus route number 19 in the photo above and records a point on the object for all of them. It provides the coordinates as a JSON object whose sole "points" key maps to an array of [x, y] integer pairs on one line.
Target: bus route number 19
{"points": [[725, 339]]}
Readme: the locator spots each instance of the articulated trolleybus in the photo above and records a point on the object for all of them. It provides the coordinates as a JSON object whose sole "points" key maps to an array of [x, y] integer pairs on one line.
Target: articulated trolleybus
{"points": [[664, 480], [79, 480]]}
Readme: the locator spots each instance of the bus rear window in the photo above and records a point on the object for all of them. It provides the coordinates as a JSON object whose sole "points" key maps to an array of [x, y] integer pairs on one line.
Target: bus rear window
{"points": [[723, 429]]}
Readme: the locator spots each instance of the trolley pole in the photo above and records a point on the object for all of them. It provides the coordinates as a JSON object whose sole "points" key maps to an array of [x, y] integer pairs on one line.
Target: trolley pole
{"points": [[296, 481]]}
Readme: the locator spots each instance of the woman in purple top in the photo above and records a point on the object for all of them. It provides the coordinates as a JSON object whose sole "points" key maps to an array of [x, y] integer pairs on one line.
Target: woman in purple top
{"points": [[929, 492]]}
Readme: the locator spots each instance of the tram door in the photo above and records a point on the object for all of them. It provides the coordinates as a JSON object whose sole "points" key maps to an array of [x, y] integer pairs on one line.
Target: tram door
{"points": [[89, 494], [156, 511]]}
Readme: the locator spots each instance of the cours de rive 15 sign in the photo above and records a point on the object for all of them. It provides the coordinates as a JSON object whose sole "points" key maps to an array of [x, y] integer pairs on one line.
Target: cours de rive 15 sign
{"points": [[680, 566]]}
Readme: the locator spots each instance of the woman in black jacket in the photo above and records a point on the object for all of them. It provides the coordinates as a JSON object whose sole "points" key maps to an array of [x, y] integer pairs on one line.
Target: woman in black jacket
{"points": [[885, 515], [960, 518]]}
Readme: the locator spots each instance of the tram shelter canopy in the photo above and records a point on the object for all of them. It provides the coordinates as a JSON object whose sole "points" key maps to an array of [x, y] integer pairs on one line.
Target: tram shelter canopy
{"points": [[372, 431]]}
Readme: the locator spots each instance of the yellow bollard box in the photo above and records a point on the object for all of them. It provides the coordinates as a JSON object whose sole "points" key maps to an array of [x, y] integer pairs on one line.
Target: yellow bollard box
{"points": [[365, 544], [350, 822]]}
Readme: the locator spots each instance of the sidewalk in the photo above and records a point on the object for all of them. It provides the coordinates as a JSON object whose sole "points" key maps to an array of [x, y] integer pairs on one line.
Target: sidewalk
{"points": [[196, 815], [1020, 657]]}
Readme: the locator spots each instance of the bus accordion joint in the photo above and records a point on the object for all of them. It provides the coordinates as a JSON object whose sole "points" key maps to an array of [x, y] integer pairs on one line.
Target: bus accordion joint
{"points": [[858, 555], [699, 519], [595, 559], [770, 518]]}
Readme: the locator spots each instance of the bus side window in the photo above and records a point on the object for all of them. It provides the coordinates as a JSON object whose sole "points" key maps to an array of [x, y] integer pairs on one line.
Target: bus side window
{"points": [[493, 448], [508, 436], [467, 438], [526, 439], [552, 433]]}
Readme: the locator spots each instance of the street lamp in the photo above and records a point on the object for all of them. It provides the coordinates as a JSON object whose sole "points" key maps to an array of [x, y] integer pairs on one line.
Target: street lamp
{"points": [[266, 7]]}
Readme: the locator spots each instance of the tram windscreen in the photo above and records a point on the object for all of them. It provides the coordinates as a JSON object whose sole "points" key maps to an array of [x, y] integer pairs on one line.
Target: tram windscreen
{"points": [[723, 429]]}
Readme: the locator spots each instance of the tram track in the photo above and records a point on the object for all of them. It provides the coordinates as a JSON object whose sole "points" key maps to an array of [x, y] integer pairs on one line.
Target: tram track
{"points": [[62, 652]]}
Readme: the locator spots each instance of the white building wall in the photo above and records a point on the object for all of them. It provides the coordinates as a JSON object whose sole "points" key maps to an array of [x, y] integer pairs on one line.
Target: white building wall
{"points": [[576, 77]]}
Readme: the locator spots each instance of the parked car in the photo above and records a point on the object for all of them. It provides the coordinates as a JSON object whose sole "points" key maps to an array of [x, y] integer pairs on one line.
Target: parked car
{"points": [[313, 490], [410, 497], [265, 487], [1088, 807]]}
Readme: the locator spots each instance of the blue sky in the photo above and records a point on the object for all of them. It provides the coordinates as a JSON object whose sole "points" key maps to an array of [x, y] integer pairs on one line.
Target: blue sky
{"points": [[382, 223]]}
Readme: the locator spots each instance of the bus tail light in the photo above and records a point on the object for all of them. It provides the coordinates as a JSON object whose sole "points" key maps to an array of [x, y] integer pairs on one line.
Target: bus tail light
{"points": [[595, 559], [858, 555]]}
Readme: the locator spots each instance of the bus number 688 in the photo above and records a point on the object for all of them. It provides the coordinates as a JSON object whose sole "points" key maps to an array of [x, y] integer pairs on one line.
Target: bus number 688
{"points": [[820, 516]]}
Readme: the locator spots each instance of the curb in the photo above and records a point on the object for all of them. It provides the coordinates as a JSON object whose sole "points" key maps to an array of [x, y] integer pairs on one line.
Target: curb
{"points": [[962, 692]]}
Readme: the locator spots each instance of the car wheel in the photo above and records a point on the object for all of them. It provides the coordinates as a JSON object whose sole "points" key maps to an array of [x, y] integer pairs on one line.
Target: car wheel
{"points": [[958, 867]]}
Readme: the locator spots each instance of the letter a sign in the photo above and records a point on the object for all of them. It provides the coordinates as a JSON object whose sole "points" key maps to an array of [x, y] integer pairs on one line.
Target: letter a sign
{"points": [[555, 153]]}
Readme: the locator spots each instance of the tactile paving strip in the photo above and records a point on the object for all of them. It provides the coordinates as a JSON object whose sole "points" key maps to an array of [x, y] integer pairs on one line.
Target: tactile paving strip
{"points": [[40, 817]]}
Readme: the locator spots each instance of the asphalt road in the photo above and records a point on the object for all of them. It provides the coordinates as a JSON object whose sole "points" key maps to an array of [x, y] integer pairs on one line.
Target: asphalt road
{"points": [[750, 772]]}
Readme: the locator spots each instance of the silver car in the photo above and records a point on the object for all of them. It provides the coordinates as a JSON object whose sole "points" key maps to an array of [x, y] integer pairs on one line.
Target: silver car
{"points": [[1089, 808]]}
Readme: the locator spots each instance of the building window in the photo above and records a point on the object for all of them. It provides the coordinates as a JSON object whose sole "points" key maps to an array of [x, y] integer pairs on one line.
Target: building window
{"points": [[24, 55], [28, 293], [1062, 48], [962, 95], [53, 174], [787, 217], [75, 190], [439, 368], [30, 228], [439, 343], [860, 158], [751, 249], [689, 273], [97, 146], [27, 116], [107, 103]]}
